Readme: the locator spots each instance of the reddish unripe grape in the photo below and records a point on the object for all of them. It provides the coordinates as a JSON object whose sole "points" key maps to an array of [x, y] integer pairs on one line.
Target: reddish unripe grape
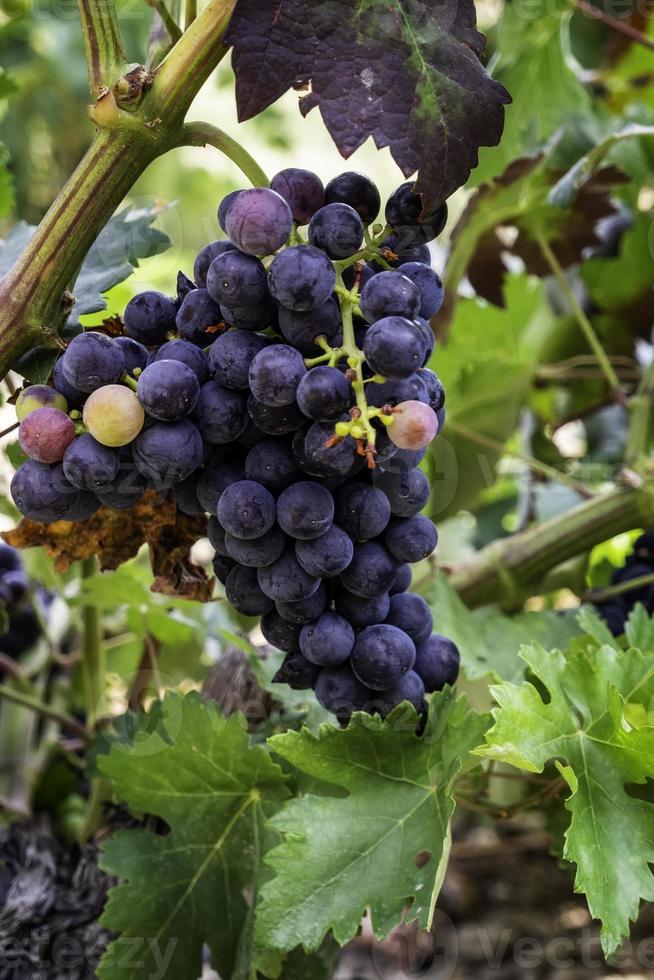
{"points": [[45, 435], [414, 425], [38, 396], [113, 415]]}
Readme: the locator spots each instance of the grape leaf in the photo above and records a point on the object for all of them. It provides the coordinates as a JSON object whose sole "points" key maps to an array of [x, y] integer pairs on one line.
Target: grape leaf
{"points": [[6, 182], [627, 280], [386, 799], [406, 73], [582, 721], [199, 773]]}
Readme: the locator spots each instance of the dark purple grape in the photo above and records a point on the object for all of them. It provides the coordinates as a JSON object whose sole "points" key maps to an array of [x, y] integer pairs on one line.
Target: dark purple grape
{"points": [[409, 688], [305, 510], [275, 421], [135, 354], [285, 580], [149, 317], [257, 316], [43, 494], [257, 553], [92, 360], [186, 353], [337, 230], [324, 393], [360, 611], [168, 452], [397, 391], [302, 190], [371, 571], [88, 465], [341, 693], [10, 560], [222, 566], [297, 672], [168, 390], [128, 486], [301, 278], [356, 190], [272, 464], [389, 294], [410, 613], [381, 655], [410, 539], [404, 215], [394, 347], [198, 318], [236, 279], [304, 610], [225, 205], [275, 373], [214, 481], [73, 396], [326, 556], [243, 592], [217, 535], [427, 335], [406, 491], [329, 641], [220, 414], [437, 662], [259, 221], [402, 580], [302, 329], [246, 510], [207, 256], [362, 510], [341, 459], [231, 356], [434, 387], [186, 496], [405, 249], [280, 634], [430, 286]]}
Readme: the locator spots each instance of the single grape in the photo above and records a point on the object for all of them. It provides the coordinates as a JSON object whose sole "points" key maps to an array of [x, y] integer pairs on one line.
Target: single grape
{"points": [[127, 488], [34, 397], [275, 421], [434, 387], [407, 492], [206, 256], [301, 278], [357, 275], [393, 392], [337, 230], [199, 318], [381, 655], [437, 662], [136, 355], [46, 434], [302, 329], [214, 481], [280, 634], [324, 393], [340, 692], [222, 566], [356, 190], [74, 397], [410, 539], [113, 415], [217, 537], [410, 613], [168, 452], [402, 580], [404, 213], [271, 463], [389, 294], [303, 611], [168, 390], [326, 556], [186, 353], [405, 459], [409, 688], [246, 510], [400, 249], [251, 436], [89, 465], [394, 347], [297, 672], [360, 611], [258, 553], [259, 221], [92, 360], [256, 316], [235, 278], [10, 560], [362, 510], [186, 496], [302, 190], [339, 460], [427, 334], [329, 641], [305, 510], [430, 286], [148, 317], [231, 356], [371, 571], [13, 587], [275, 373], [414, 425], [220, 414], [615, 613], [43, 494], [243, 592], [285, 580]]}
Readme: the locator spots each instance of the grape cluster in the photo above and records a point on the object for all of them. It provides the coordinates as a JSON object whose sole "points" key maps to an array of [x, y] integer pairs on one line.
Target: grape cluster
{"points": [[23, 622], [615, 611], [284, 392]]}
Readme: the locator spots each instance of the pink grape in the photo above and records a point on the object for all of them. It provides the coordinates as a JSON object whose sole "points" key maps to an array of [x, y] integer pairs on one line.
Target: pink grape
{"points": [[46, 434], [113, 415], [38, 396], [414, 425]]}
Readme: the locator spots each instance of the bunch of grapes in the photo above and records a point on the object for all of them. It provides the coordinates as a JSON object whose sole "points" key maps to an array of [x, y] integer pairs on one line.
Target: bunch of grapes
{"points": [[284, 392], [23, 622], [616, 610]]}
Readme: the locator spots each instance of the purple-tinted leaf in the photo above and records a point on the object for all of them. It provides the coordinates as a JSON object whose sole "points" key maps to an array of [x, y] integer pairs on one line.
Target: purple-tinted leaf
{"points": [[406, 72]]}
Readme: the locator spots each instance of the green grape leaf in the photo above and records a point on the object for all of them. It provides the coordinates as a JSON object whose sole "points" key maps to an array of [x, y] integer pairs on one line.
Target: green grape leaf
{"points": [[627, 280], [377, 836], [581, 724], [565, 190], [196, 770], [364, 61]]}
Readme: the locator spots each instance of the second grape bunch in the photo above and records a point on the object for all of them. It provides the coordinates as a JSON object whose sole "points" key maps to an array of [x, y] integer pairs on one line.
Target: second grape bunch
{"points": [[284, 393]]}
